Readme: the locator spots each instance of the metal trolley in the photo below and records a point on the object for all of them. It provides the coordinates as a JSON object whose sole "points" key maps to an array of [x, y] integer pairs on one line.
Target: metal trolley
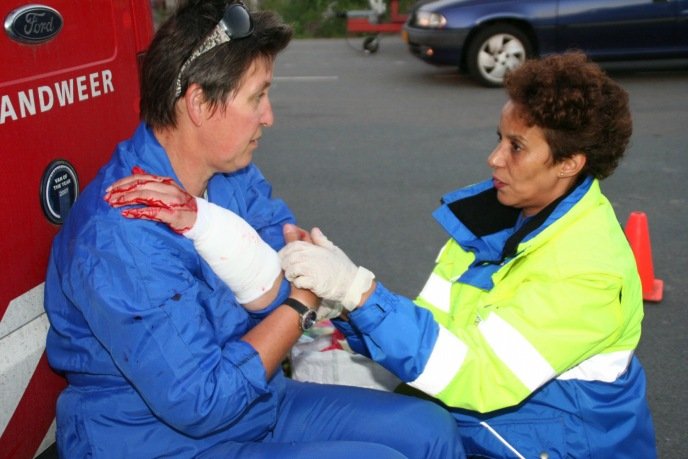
{"points": [[372, 22]]}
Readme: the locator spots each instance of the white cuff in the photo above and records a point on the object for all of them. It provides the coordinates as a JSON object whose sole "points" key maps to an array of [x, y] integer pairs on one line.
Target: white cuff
{"points": [[361, 283]]}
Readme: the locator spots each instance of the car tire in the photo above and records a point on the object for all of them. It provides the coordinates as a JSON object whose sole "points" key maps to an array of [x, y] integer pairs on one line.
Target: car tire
{"points": [[496, 50]]}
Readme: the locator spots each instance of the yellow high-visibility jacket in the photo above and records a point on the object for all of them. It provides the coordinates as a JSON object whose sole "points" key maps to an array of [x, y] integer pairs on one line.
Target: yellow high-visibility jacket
{"points": [[526, 328]]}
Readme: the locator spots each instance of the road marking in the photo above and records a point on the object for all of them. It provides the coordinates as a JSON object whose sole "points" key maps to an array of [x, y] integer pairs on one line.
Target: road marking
{"points": [[307, 78]]}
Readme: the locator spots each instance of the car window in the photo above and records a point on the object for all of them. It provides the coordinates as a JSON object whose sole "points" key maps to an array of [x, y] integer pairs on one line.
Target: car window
{"points": [[636, 28]]}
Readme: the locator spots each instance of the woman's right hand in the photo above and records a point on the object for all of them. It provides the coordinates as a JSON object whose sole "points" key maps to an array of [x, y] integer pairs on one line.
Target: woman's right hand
{"points": [[294, 233], [322, 267], [162, 199]]}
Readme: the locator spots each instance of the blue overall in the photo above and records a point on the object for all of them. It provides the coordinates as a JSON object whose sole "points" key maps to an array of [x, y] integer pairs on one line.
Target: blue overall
{"points": [[149, 340]]}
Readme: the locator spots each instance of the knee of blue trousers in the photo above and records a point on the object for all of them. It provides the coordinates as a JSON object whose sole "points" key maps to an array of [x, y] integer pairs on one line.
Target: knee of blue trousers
{"points": [[447, 440], [433, 430]]}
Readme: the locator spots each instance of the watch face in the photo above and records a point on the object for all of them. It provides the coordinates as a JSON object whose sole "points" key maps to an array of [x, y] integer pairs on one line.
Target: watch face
{"points": [[309, 319]]}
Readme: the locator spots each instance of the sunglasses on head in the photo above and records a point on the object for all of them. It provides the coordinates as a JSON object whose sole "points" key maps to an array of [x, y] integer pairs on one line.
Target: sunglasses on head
{"points": [[236, 23]]}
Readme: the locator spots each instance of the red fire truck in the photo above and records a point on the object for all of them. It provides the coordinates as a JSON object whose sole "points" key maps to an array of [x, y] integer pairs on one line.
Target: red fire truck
{"points": [[68, 93]]}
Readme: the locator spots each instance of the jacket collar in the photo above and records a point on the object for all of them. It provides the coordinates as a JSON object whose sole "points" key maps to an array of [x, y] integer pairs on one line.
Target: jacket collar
{"points": [[493, 232], [147, 153]]}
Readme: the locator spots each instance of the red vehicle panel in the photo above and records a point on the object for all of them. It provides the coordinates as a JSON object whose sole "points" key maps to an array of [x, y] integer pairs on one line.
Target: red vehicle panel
{"points": [[68, 93]]}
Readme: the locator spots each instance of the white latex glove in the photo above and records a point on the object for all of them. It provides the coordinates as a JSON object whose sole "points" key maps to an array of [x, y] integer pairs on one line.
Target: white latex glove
{"points": [[329, 310], [324, 269], [234, 250]]}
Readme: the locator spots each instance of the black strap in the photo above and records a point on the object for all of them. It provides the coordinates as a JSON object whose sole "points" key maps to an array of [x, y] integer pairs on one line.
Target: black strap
{"points": [[297, 305]]}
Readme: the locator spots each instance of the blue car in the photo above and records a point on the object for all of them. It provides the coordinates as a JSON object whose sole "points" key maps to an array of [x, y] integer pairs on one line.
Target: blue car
{"points": [[486, 38]]}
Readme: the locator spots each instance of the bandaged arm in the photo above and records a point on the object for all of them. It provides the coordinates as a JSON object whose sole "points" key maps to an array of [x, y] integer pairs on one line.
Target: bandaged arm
{"points": [[234, 251]]}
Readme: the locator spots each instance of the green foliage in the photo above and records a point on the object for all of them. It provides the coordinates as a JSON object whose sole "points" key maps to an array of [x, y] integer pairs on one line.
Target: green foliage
{"points": [[318, 18], [312, 18], [309, 18]]}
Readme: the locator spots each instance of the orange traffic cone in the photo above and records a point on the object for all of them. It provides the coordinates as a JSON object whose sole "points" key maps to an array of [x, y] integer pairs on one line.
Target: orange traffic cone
{"points": [[638, 236]]}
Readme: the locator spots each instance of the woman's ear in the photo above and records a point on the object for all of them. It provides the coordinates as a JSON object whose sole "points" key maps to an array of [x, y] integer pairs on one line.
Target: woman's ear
{"points": [[194, 102], [573, 165]]}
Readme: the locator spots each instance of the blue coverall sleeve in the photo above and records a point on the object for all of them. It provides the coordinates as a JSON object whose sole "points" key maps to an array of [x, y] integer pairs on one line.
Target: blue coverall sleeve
{"points": [[353, 337], [172, 330], [394, 331], [255, 203]]}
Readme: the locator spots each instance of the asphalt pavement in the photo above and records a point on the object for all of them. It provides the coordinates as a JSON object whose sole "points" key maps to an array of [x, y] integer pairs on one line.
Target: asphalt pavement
{"points": [[364, 145]]}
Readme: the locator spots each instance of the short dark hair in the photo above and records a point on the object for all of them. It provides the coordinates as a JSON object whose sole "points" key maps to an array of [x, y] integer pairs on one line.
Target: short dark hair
{"points": [[218, 71], [580, 108]]}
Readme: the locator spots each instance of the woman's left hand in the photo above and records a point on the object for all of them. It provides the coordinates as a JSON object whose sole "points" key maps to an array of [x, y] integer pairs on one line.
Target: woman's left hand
{"points": [[162, 199], [326, 270]]}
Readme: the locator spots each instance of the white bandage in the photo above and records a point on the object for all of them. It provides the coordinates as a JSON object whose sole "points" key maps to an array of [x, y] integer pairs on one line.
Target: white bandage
{"points": [[234, 250]]}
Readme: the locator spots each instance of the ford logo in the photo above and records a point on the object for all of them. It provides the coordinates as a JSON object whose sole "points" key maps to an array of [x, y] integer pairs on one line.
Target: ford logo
{"points": [[33, 24]]}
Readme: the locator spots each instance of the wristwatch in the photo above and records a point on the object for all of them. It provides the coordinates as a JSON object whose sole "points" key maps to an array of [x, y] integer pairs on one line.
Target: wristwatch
{"points": [[307, 316]]}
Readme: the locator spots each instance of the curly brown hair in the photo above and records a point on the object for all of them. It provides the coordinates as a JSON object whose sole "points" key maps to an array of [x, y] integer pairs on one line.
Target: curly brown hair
{"points": [[579, 107]]}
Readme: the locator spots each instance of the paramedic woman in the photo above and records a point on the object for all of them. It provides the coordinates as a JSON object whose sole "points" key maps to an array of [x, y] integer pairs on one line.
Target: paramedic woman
{"points": [[527, 326]]}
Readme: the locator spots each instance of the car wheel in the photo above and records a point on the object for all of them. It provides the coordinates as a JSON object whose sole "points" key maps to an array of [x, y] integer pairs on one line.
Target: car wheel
{"points": [[496, 50]]}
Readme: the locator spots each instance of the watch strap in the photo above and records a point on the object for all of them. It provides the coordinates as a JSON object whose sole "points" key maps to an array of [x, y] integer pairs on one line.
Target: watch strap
{"points": [[307, 316], [297, 305]]}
